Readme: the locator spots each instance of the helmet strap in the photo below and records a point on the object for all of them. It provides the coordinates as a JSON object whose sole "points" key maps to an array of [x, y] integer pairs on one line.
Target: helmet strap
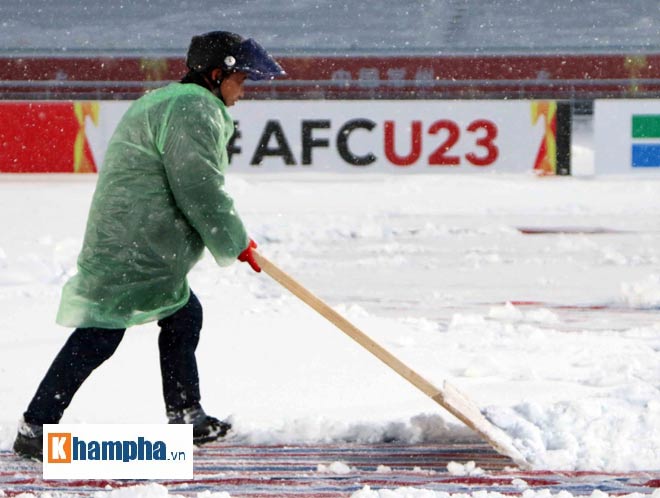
{"points": [[205, 80], [215, 84]]}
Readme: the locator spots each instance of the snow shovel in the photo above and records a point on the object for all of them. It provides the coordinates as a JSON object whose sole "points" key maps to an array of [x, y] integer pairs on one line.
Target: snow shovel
{"points": [[450, 398]]}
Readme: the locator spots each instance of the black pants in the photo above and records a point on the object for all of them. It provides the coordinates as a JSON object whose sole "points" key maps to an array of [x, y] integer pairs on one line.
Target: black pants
{"points": [[87, 348]]}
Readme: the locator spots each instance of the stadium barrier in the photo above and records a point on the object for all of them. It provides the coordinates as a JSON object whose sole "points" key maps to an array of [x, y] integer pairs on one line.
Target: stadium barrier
{"points": [[627, 136], [552, 77], [52, 119], [438, 136]]}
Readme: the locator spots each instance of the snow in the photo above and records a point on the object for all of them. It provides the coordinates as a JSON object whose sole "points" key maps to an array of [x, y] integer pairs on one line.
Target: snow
{"points": [[468, 469], [339, 468], [432, 267]]}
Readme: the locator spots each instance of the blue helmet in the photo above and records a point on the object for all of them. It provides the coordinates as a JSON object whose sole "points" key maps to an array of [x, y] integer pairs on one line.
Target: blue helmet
{"points": [[231, 52]]}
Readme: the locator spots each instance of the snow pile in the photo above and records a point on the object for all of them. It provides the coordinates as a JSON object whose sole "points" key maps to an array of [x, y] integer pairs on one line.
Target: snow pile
{"points": [[339, 468], [511, 313], [468, 469], [585, 435], [644, 294]]}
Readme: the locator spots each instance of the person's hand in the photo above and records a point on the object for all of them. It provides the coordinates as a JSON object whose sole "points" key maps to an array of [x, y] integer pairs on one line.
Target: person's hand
{"points": [[247, 256]]}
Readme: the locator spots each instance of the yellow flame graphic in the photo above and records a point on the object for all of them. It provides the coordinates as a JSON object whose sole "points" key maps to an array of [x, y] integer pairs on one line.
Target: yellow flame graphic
{"points": [[83, 162], [546, 158]]}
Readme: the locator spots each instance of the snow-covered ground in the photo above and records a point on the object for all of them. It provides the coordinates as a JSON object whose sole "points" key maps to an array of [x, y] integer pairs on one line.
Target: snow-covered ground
{"points": [[429, 266]]}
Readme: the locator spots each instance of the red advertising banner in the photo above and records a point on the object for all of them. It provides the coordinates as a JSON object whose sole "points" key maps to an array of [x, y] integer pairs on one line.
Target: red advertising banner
{"points": [[46, 137]]}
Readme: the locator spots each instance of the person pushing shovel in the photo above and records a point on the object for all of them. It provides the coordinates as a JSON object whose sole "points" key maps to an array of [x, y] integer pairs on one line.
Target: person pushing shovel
{"points": [[159, 201]]}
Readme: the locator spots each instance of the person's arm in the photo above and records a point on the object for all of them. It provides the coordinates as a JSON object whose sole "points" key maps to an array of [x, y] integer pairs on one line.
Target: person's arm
{"points": [[194, 155]]}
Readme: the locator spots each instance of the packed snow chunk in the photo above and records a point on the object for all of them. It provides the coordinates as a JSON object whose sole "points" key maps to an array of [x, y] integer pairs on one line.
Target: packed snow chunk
{"points": [[339, 468], [520, 483], [511, 313], [433, 428], [352, 312], [644, 294], [366, 492], [421, 324], [468, 469], [542, 316], [383, 469], [612, 257], [526, 436], [507, 312], [468, 323]]}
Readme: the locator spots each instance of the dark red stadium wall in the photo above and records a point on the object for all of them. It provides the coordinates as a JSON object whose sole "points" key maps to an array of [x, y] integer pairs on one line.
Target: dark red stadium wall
{"points": [[483, 76]]}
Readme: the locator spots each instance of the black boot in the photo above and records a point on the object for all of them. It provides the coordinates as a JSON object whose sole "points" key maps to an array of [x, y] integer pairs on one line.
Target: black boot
{"points": [[205, 428], [29, 441]]}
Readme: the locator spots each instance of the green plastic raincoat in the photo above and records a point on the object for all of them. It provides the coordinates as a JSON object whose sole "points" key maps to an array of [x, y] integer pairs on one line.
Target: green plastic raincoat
{"points": [[158, 202]]}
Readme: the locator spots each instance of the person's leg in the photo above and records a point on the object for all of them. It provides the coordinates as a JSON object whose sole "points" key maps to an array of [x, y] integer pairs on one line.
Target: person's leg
{"points": [[84, 351], [177, 343]]}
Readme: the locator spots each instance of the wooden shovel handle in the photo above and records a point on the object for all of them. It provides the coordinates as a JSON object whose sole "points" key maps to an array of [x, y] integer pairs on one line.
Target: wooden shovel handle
{"points": [[449, 397], [345, 326]]}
